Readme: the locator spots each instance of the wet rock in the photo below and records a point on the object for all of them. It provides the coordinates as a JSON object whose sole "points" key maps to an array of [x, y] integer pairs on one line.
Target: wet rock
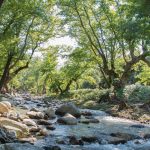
{"points": [[25, 107], [68, 108], [4, 108], [19, 146], [138, 126], [39, 105], [68, 119], [34, 109], [29, 122], [147, 136], [116, 140], [28, 140], [46, 117], [34, 129], [43, 132], [51, 148], [87, 121], [89, 139], [74, 141], [125, 136], [43, 122], [35, 115], [6, 137], [50, 112], [50, 127], [60, 141], [86, 113], [11, 125]]}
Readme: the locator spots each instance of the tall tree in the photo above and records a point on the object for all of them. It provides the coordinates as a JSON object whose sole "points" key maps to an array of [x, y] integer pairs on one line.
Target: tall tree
{"points": [[117, 35], [24, 26]]}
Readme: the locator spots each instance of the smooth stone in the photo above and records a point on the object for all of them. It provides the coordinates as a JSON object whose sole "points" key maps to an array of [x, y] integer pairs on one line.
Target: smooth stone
{"points": [[7, 103], [35, 115], [29, 122], [34, 129], [68, 108], [50, 112], [4, 108], [28, 140], [43, 122], [68, 119]]}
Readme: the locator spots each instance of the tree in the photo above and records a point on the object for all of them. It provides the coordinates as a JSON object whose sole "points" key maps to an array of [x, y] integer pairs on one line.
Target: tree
{"points": [[24, 26], [1, 2], [77, 63], [112, 31]]}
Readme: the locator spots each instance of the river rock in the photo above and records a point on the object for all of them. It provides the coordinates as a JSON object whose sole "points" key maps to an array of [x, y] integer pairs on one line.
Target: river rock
{"points": [[147, 136], [50, 112], [11, 125], [29, 122], [28, 140], [35, 115], [91, 120], [68, 119], [86, 113], [43, 122], [4, 108], [6, 136], [68, 108], [50, 127], [52, 148], [34, 109], [43, 132], [34, 129], [125, 136], [74, 141], [116, 140], [8, 104], [89, 139], [19, 146]]}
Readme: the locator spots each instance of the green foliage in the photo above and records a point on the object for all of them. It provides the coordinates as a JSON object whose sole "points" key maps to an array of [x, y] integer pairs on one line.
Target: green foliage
{"points": [[137, 93], [88, 94]]}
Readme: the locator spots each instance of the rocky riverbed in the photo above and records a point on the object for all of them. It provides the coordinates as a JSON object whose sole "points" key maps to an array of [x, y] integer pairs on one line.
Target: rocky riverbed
{"points": [[36, 124]]}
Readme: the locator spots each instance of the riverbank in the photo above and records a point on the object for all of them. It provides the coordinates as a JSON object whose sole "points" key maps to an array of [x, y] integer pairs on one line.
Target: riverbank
{"points": [[55, 124]]}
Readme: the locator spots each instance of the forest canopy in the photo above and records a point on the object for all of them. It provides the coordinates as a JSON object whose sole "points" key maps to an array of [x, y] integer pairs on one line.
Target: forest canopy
{"points": [[112, 47]]}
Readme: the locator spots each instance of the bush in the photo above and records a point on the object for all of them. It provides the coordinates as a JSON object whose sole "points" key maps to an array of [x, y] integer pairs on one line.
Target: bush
{"points": [[88, 94], [137, 93]]}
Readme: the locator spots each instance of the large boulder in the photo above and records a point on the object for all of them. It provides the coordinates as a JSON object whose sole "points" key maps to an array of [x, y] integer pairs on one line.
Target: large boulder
{"points": [[68, 119], [11, 125], [50, 112], [18, 146], [68, 108], [4, 108], [35, 115]]}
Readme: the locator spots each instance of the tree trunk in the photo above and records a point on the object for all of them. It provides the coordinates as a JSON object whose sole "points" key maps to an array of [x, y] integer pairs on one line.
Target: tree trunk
{"points": [[4, 78], [67, 87], [1, 2]]}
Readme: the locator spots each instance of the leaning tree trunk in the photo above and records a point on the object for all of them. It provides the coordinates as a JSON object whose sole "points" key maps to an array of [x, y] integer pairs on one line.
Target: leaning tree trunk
{"points": [[1, 2], [3, 80]]}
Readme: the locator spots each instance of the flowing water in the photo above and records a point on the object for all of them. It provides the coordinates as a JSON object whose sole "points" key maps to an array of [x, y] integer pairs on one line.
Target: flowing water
{"points": [[102, 130]]}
